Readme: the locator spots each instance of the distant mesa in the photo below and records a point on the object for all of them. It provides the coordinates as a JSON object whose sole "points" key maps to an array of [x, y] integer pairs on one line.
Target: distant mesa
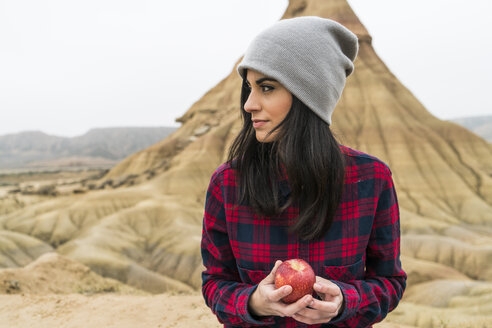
{"points": [[480, 125], [101, 147]]}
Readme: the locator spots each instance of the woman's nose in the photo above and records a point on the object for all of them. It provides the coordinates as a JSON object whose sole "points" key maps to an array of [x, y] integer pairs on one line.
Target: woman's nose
{"points": [[252, 103]]}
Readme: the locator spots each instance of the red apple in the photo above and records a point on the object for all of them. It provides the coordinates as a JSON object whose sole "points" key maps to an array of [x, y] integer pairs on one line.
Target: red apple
{"points": [[298, 274]]}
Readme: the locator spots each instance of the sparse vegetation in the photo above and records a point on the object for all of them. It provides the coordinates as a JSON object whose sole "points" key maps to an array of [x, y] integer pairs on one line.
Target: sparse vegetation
{"points": [[47, 190], [98, 289], [50, 183]]}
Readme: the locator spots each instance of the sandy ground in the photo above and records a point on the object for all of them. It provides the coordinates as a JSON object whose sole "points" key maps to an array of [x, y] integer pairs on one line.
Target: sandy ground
{"points": [[110, 310], [121, 311]]}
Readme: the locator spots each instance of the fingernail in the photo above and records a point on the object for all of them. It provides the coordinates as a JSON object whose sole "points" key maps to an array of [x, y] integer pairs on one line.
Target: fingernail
{"points": [[317, 286]]}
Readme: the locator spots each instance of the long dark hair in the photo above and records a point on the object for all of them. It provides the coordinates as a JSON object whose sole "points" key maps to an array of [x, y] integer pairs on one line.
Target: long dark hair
{"points": [[310, 155]]}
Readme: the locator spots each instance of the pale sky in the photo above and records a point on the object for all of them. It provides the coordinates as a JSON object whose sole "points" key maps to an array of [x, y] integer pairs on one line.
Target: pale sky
{"points": [[67, 66]]}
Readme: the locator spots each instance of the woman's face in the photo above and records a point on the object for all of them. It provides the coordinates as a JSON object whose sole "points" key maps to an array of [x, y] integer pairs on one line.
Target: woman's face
{"points": [[268, 103]]}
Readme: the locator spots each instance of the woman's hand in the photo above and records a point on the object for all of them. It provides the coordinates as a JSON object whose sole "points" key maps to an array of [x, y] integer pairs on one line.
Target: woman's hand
{"points": [[322, 311], [266, 300]]}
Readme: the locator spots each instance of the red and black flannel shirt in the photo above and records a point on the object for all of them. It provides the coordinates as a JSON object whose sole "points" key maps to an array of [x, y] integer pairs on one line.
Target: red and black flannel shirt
{"points": [[360, 253]]}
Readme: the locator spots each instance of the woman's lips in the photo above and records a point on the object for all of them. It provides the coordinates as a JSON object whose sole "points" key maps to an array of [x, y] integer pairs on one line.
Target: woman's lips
{"points": [[259, 123]]}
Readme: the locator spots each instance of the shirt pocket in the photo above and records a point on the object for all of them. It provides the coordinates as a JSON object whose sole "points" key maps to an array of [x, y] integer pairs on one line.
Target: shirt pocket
{"points": [[345, 273], [251, 277]]}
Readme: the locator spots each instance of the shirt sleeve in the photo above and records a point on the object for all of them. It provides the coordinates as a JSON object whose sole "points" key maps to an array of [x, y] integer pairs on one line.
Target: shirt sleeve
{"points": [[222, 288], [369, 300]]}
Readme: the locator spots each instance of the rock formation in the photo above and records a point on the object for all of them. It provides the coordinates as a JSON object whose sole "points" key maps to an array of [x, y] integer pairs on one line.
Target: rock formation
{"points": [[52, 273]]}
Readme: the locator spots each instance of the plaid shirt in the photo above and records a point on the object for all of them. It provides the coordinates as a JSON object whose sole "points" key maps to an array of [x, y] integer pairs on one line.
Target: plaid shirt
{"points": [[360, 253]]}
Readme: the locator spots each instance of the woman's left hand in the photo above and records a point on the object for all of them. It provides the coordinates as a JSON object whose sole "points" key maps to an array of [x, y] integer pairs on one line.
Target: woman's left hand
{"points": [[322, 311]]}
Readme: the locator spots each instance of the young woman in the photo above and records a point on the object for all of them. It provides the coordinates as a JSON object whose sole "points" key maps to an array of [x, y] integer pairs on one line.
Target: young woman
{"points": [[289, 190]]}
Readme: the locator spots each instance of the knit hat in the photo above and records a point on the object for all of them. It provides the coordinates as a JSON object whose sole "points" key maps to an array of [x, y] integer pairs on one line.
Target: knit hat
{"points": [[310, 56]]}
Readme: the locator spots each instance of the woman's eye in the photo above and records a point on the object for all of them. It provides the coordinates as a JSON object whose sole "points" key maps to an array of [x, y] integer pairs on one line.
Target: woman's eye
{"points": [[266, 88]]}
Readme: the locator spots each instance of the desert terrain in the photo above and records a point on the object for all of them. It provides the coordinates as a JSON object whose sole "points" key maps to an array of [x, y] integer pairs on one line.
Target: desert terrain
{"points": [[122, 247]]}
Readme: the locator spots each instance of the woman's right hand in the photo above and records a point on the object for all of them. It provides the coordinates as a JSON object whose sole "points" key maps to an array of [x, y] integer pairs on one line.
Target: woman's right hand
{"points": [[266, 300]]}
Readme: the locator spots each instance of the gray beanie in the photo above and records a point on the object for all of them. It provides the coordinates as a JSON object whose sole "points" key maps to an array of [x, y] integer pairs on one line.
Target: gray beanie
{"points": [[310, 56]]}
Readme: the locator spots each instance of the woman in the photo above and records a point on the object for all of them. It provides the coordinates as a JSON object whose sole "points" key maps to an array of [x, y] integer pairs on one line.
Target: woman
{"points": [[289, 190]]}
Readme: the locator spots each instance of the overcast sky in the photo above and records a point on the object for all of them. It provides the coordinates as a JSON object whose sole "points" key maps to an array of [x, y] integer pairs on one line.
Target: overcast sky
{"points": [[67, 66]]}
